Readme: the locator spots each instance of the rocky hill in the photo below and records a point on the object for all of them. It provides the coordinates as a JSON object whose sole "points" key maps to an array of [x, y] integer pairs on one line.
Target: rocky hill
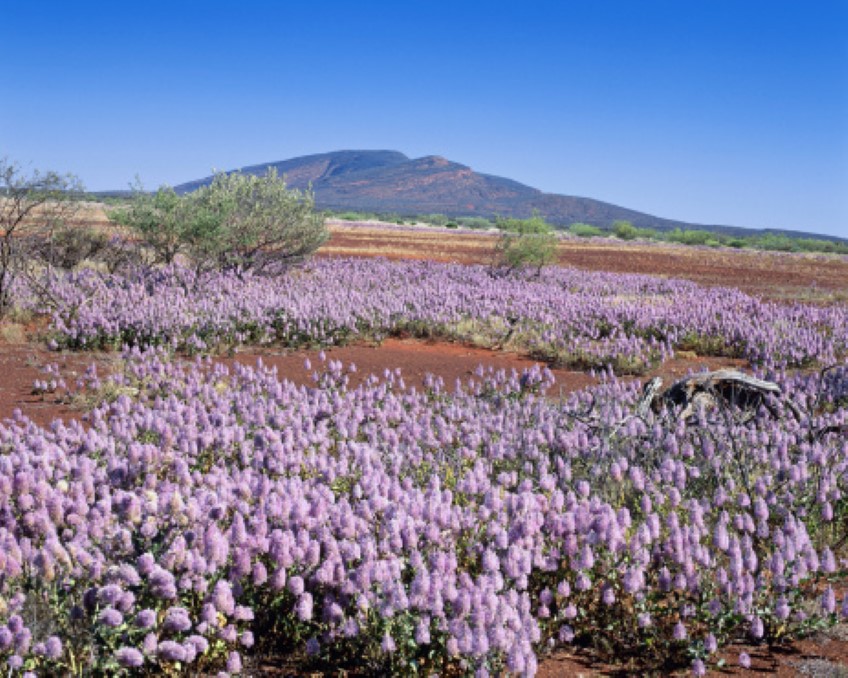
{"points": [[390, 182]]}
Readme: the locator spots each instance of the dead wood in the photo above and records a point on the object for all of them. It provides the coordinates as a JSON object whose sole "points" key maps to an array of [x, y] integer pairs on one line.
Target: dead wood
{"points": [[727, 388]]}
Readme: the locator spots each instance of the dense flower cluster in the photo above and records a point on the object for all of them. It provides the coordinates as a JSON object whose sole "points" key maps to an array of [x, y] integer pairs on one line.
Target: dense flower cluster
{"points": [[472, 529], [567, 317]]}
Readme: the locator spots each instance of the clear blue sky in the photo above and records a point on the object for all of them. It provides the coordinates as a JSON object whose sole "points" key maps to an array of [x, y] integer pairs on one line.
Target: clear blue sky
{"points": [[709, 111]]}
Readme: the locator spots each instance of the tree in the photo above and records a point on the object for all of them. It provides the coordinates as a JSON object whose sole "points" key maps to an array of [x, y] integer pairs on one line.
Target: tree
{"points": [[238, 222], [35, 210], [161, 220], [525, 243], [255, 223]]}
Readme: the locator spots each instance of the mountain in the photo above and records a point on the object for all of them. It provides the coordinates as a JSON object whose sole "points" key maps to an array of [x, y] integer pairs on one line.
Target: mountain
{"points": [[390, 182]]}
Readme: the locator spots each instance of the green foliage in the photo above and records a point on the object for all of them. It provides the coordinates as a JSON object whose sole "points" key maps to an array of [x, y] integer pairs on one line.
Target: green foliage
{"points": [[475, 222], [624, 230], [692, 237], [774, 242], [525, 243], [433, 219], [647, 234], [585, 230], [824, 246], [161, 220], [355, 216], [249, 222], [239, 221]]}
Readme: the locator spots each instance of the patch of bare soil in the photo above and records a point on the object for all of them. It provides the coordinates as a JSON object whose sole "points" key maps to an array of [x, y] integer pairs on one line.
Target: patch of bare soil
{"points": [[451, 362], [22, 363], [822, 656]]}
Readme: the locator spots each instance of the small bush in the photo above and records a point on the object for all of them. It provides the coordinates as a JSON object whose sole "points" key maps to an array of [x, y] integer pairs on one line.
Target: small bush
{"points": [[33, 208], [585, 230], [247, 222], [475, 222], [160, 220], [624, 230], [433, 219], [525, 243], [68, 246], [691, 236]]}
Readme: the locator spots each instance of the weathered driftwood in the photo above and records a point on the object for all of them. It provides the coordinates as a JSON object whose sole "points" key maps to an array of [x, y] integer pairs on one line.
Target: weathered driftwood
{"points": [[726, 388]]}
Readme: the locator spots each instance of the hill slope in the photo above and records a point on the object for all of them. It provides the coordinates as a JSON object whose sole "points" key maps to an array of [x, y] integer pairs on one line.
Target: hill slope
{"points": [[389, 181]]}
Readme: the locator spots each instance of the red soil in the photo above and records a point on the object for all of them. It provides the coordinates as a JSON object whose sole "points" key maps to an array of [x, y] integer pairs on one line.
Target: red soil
{"points": [[21, 364]]}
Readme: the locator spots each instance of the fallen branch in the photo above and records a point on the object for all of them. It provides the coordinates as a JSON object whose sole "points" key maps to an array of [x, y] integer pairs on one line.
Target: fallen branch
{"points": [[708, 390]]}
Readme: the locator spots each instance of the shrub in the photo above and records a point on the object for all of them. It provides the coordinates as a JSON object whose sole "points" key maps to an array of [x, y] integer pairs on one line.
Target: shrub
{"points": [[691, 236], [475, 222], [353, 216], [624, 230], [247, 222], [647, 233], [433, 219], [238, 222], [161, 220], [778, 243], [585, 230], [69, 246], [525, 243], [33, 208]]}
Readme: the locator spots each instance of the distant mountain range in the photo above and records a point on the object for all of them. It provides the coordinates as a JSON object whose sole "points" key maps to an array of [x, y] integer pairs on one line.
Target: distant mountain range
{"points": [[390, 182]]}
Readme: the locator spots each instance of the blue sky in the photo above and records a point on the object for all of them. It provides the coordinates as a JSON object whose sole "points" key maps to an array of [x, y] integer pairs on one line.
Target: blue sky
{"points": [[708, 111]]}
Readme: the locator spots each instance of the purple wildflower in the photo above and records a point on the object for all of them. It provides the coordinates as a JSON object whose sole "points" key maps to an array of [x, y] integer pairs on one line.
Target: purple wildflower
{"points": [[129, 657]]}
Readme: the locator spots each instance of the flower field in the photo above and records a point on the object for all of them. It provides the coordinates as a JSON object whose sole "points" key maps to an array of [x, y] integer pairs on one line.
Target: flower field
{"points": [[202, 517], [567, 317]]}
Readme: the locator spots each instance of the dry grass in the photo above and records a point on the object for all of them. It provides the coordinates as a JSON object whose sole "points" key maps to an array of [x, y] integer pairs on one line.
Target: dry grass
{"points": [[13, 333]]}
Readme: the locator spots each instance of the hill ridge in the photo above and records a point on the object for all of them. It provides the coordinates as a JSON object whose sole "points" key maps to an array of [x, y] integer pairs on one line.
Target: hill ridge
{"points": [[387, 181]]}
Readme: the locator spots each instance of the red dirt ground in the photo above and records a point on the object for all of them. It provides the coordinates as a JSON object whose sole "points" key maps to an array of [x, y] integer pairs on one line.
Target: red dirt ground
{"points": [[22, 363]]}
